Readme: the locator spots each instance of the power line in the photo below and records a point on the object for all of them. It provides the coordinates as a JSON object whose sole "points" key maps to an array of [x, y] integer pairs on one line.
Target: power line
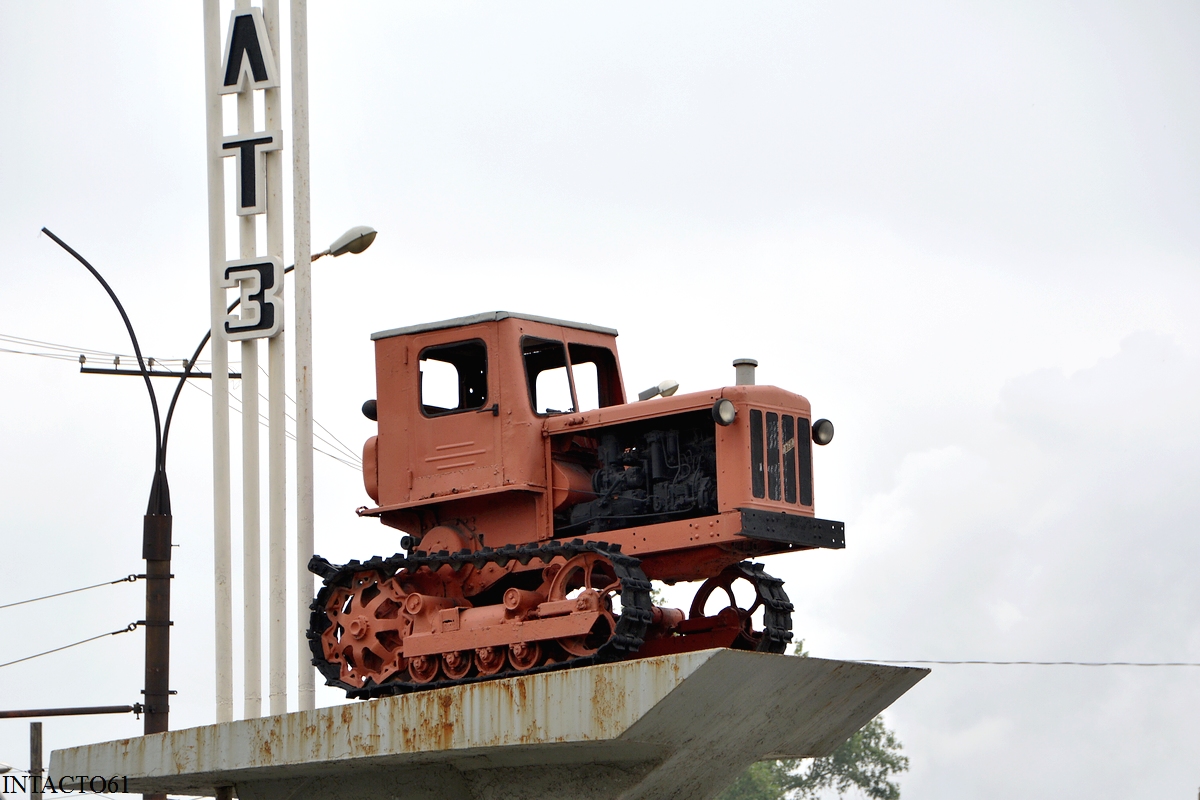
{"points": [[351, 461], [262, 420], [71, 353], [335, 444], [130, 627], [339, 441], [59, 356], [343, 454], [25, 342], [126, 579]]}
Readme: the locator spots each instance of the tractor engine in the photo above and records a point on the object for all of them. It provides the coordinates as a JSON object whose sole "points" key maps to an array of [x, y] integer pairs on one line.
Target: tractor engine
{"points": [[660, 475]]}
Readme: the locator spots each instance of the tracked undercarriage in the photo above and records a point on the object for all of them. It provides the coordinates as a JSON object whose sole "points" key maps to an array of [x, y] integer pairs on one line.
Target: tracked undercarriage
{"points": [[402, 624]]}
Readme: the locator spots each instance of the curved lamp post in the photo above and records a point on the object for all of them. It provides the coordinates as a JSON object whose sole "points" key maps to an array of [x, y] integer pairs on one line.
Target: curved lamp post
{"points": [[156, 527]]}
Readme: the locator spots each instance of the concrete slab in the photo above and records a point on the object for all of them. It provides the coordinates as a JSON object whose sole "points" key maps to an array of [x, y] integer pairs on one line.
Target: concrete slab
{"points": [[678, 726]]}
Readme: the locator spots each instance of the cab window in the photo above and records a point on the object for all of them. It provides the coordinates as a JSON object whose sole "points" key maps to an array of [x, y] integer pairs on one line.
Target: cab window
{"points": [[597, 380], [547, 376], [453, 378]]}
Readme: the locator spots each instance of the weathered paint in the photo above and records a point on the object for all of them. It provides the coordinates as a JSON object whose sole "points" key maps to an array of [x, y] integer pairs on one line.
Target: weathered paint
{"points": [[683, 724]]}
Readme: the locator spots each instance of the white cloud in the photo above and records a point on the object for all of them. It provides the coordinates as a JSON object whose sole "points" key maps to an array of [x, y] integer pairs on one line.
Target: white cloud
{"points": [[1065, 530]]}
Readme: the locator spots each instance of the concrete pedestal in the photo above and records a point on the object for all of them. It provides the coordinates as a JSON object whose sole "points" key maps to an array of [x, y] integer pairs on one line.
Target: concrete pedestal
{"points": [[679, 726]]}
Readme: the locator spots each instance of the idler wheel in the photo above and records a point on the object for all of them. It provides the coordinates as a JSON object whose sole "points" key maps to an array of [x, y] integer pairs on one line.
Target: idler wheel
{"points": [[591, 581], [525, 655], [753, 586], [489, 660], [457, 664]]}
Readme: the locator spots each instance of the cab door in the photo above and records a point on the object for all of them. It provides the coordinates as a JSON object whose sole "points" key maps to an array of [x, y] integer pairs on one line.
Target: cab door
{"points": [[454, 436]]}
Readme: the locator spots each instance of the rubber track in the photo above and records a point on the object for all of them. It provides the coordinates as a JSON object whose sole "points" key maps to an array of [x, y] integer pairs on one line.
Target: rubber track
{"points": [[630, 632]]}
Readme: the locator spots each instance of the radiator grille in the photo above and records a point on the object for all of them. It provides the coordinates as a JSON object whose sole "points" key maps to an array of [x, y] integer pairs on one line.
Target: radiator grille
{"points": [[804, 459], [789, 460], [758, 480], [773, 455], [781, 457]]}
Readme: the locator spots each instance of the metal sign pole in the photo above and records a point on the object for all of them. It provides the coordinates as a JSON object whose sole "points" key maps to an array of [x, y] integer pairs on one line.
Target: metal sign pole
{"points": [[248, 64], [302, 252], [222, 544], [276, 441]]}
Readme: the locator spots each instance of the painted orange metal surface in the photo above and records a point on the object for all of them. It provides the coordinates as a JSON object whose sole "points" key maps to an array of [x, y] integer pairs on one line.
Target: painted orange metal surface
{"points": [[495, 473]]}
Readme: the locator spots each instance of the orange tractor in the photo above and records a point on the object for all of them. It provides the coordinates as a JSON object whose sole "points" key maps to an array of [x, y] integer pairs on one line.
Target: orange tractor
{"points": [[538, 505]]}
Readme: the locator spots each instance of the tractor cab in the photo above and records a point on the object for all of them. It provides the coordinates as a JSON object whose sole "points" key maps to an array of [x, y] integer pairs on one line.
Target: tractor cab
{"points": [[461, 403]]}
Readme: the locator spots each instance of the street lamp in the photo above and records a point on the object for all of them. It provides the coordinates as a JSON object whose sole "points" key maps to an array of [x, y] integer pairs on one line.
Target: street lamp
{"points": [[156, 540], [354, 241], [156, 528]]}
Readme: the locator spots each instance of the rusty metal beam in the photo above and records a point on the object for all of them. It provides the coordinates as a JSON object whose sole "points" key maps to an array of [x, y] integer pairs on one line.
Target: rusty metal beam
{"points": [[79, 711]]}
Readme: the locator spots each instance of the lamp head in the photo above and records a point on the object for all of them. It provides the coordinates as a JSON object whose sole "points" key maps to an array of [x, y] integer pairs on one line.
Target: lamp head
{"points": [[355, 240], [664, 389]]}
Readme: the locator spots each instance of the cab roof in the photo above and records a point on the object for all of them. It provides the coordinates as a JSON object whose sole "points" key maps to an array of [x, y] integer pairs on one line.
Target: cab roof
{"points": [[488, 316]]}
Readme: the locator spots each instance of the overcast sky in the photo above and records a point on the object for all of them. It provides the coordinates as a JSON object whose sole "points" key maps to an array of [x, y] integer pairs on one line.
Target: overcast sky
{"points": [[967, 233]]}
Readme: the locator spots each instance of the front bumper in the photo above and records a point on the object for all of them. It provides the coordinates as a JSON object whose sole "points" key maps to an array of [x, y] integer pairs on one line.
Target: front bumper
{"points": [[794, 529]]}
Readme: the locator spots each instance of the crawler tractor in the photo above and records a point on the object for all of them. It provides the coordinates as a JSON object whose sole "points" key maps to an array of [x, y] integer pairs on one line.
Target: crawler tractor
{"points": [[538, 505]]}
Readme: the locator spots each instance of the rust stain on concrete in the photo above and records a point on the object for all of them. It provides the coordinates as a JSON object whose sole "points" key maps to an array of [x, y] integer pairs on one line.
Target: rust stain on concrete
{"points": [[621, 705]]}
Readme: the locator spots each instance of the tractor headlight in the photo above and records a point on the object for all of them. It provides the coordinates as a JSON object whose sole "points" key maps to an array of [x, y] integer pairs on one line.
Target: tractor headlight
{"points": [[822, 431], [724, 412]]}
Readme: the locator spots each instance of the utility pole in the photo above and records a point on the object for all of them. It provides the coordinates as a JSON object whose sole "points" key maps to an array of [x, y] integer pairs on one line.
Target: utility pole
{"points": [[35, 759], [156, 550]]}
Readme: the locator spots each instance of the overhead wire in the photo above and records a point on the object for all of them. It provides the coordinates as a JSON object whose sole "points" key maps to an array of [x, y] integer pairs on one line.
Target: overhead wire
{"points": [[72, 353], [336, 443], [263, 420], [339, 441], [351, 461], [236, 405], [60, 356], [343, 454], [128, 628], [127, 579], [27, 342]]}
